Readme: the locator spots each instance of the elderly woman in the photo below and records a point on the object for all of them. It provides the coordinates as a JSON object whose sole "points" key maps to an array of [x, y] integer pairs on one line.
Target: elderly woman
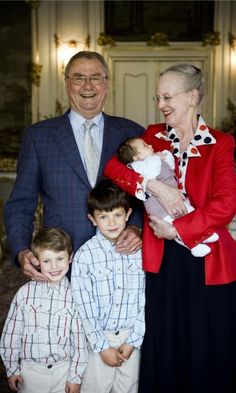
{"points": [[190, 340]]}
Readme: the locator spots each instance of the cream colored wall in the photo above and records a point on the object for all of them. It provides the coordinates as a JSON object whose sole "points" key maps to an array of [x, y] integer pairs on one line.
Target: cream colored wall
{"points": [[69, 20], [134, 68], [225, 59], [135, 72]]}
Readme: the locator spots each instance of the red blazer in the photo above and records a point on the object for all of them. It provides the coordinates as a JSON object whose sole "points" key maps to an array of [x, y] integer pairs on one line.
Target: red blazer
{"points": [[211, 188]]}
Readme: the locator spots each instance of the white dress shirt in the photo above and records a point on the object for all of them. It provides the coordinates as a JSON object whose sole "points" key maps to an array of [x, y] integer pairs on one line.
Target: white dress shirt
{"points": [[77, 122]]}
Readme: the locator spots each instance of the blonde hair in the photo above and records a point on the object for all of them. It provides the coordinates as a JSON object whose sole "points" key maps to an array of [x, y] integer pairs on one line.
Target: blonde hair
{"points": [[55, 239]]}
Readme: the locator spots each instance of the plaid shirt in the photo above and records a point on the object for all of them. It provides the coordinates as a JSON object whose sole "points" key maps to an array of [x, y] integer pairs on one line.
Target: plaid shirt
{"points": [[109, 290], [43, 326]]}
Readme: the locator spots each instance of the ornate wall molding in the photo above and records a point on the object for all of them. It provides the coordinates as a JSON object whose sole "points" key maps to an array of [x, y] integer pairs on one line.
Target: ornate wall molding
{"points": [[158, 39], [211, 39], [84, 22], [134, 76], [35, 74]]}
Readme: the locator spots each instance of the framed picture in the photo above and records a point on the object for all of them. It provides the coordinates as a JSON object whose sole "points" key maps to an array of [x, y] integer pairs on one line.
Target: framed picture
{"points": [[138, 20]]}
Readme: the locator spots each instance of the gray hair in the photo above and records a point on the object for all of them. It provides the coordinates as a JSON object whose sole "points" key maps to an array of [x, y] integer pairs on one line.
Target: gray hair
{"points": [[89, 56], [193, 77]]}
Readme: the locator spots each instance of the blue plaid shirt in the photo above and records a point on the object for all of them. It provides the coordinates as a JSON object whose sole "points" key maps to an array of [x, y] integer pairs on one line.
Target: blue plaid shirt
{"points": [[109, 290]]}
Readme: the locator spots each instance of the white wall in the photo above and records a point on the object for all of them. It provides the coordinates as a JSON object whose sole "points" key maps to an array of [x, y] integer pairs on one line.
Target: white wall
{"points": [[132, 84]]}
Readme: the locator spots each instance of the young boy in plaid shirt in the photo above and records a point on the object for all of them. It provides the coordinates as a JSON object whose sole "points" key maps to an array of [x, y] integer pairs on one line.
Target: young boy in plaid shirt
{"points": [[43, 345], [108, 288]]}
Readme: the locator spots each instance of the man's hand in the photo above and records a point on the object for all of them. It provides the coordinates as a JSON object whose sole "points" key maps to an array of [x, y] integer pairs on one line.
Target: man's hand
{"points": [[112, 357], [14, 381], [126, 350], [29, 266], [129, 240], [171, 198], [72, 388], [162, 229]]}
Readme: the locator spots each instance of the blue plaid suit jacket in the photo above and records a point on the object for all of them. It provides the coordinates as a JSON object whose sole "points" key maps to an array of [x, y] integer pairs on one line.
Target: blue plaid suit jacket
{"points": [[49, 165]]}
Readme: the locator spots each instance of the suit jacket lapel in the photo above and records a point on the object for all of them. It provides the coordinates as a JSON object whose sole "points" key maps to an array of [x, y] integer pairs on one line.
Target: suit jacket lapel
{"points": [[63, 136], [110, 137]]}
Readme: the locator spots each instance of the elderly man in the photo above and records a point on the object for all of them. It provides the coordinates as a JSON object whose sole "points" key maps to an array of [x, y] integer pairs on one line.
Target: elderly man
{"points": [[62, 158]]}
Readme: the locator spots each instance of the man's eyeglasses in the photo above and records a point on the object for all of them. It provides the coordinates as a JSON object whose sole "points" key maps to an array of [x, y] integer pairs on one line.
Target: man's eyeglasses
{"points": [[81, 79], [167, 98]]}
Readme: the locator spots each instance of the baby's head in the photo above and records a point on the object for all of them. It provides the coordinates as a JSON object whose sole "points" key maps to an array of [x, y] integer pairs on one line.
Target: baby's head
{"points": [[134, 149], [53, 248]]}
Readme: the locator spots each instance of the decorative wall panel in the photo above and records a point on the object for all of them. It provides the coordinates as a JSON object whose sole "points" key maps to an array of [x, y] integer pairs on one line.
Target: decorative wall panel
{"points": [[134, 77]]}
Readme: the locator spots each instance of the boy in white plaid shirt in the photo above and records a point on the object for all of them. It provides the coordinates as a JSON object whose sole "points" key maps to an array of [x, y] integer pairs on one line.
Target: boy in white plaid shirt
{"points": [[108, 288], [43, 345]]}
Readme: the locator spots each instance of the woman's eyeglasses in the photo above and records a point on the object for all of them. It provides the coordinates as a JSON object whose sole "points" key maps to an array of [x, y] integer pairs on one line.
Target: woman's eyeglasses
{"points": [[167, 98]]}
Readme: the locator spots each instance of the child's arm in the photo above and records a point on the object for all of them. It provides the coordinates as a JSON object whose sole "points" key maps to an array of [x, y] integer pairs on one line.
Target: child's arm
{"points": [[10, 345], [14, 382], [135, 338], [82, 289], [72, 387], [78, 353]]}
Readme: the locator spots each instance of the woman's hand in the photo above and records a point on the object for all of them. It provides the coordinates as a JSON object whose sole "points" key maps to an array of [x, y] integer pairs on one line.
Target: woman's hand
{"points": [[162, 229], [171, 198]]}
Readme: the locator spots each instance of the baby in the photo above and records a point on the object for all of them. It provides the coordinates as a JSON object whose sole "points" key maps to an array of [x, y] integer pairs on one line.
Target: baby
{"points": [[139, 156]]}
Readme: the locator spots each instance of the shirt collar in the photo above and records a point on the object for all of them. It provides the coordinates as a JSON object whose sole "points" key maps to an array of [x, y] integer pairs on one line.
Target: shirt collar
{"points": [[61, 286], [202, 137], [78, 120], [107, 245]]}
